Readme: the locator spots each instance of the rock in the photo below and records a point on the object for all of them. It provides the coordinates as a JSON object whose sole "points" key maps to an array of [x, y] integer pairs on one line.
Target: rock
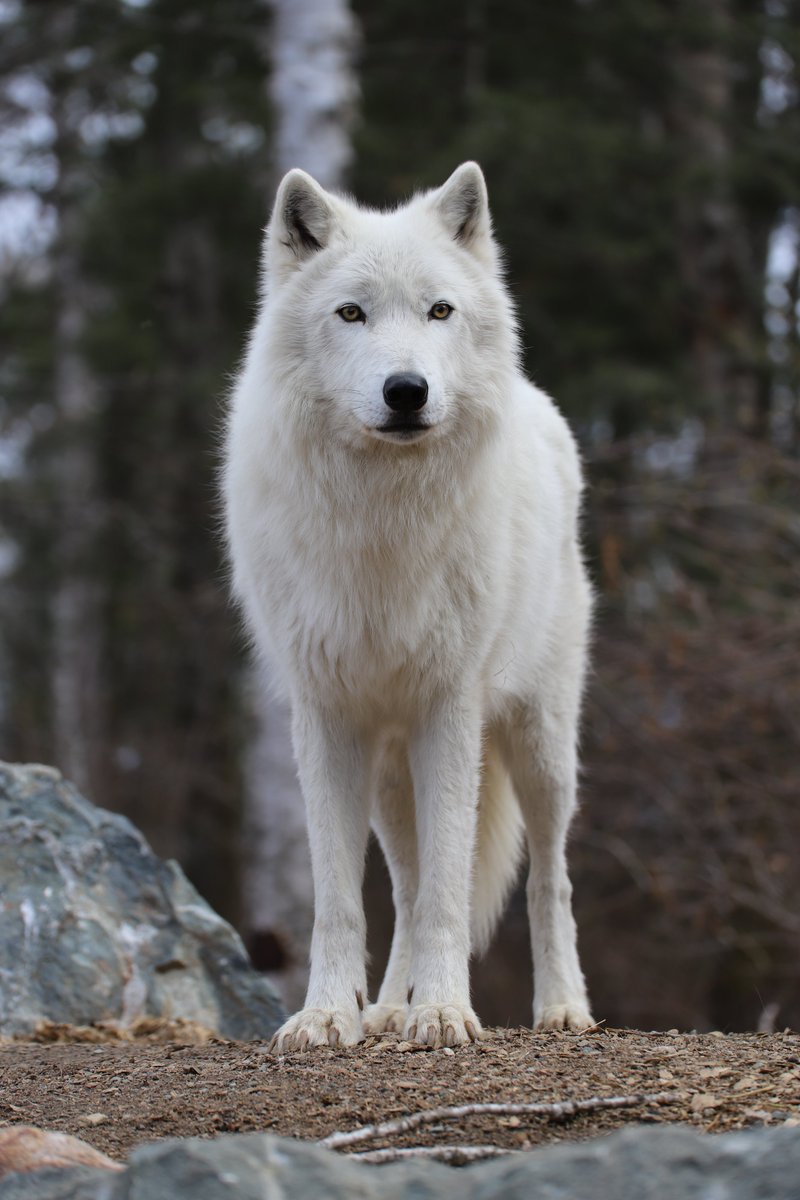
{"points": [[94, 927], [74, 1183], [23, 1148], [639, 1163]]}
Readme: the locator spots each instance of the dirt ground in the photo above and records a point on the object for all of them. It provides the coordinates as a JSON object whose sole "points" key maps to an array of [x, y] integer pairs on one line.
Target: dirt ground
{"points": [[116, 1093]]}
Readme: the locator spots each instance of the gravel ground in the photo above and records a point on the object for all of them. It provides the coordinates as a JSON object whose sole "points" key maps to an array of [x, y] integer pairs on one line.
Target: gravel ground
{"points": [[118, 1092]]}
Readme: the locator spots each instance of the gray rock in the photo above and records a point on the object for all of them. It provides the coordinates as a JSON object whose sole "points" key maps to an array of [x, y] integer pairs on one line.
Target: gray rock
{"points": [[95, 927], [639, 1163], [52, 1183]]}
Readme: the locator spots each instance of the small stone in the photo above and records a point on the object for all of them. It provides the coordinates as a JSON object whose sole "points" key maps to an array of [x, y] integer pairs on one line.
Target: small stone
{"points": [[746, 1082], [96, 1118]]}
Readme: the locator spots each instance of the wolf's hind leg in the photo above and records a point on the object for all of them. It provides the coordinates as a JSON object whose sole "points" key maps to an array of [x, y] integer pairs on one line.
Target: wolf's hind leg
{"points": [[394, 823], [542, 761]]}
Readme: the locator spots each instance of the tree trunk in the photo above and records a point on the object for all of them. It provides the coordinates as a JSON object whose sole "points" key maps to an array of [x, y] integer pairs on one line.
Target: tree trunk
{"points": [[313, 87], [314, 92], [721, 270], [76, 691]]}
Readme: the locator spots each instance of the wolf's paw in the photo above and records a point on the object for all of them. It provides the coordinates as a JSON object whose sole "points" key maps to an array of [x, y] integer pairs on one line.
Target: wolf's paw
{"points": [[442, 1025], [573, 1014], [318, 1027], [385, 1018]]}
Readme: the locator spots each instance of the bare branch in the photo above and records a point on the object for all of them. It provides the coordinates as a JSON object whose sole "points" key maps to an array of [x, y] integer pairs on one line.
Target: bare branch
{"points": [[557, 1111], [455, 1155]]}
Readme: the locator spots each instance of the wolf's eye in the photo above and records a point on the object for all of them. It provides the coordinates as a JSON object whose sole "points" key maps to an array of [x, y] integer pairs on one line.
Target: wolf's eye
{"points": [[351, 312], [440, 311]]}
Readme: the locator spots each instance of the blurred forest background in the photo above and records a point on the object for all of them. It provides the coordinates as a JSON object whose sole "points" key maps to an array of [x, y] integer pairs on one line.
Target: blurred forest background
{"points": [[643, 161]]}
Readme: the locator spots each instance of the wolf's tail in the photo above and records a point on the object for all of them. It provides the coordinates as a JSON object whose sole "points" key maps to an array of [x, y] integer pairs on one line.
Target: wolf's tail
{"points": [[498, 851]]}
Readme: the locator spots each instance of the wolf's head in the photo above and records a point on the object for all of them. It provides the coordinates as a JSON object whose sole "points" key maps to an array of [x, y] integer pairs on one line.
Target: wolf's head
{"points": [[393, 326]]}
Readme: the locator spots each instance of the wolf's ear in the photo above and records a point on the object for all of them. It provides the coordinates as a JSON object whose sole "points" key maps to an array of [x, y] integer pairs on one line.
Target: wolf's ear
{"points": [[463, 205], [301, 223]]}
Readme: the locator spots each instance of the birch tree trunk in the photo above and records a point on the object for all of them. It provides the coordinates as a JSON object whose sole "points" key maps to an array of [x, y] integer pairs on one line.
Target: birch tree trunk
{"points": [[313, 87], [314, 94]]}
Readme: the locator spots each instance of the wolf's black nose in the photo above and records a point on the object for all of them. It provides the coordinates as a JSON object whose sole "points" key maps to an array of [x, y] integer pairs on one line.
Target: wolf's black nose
{"points": [[405, 393]]}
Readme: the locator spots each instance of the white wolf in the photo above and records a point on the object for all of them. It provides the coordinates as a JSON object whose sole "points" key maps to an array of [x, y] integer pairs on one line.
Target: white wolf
{"points": [[402, 511]]}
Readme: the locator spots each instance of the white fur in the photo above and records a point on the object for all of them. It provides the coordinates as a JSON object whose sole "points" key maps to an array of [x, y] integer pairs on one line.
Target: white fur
{"points": [[421, 600]]}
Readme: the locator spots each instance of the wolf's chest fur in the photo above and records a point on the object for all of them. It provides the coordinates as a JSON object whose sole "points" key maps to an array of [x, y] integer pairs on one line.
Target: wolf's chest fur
{"points": [[383, 605]]}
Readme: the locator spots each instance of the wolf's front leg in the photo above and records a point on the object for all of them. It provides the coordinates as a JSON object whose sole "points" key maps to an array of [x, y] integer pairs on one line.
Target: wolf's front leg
{"points": [[332, 766], [445, 764]]}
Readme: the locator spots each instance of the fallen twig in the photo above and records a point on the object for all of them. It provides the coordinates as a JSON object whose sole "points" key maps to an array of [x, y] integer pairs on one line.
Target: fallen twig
{"points": [[558, 1111], [597, 1025], [455, 1155]]}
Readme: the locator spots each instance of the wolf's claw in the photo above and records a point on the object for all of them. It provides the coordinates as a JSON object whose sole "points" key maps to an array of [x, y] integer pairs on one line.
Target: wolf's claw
{"points": [[442, 1025], [318, 1027]]}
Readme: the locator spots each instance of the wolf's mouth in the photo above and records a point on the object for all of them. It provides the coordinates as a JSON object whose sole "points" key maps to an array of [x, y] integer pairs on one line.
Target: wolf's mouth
{"points": [[403, 429]]}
